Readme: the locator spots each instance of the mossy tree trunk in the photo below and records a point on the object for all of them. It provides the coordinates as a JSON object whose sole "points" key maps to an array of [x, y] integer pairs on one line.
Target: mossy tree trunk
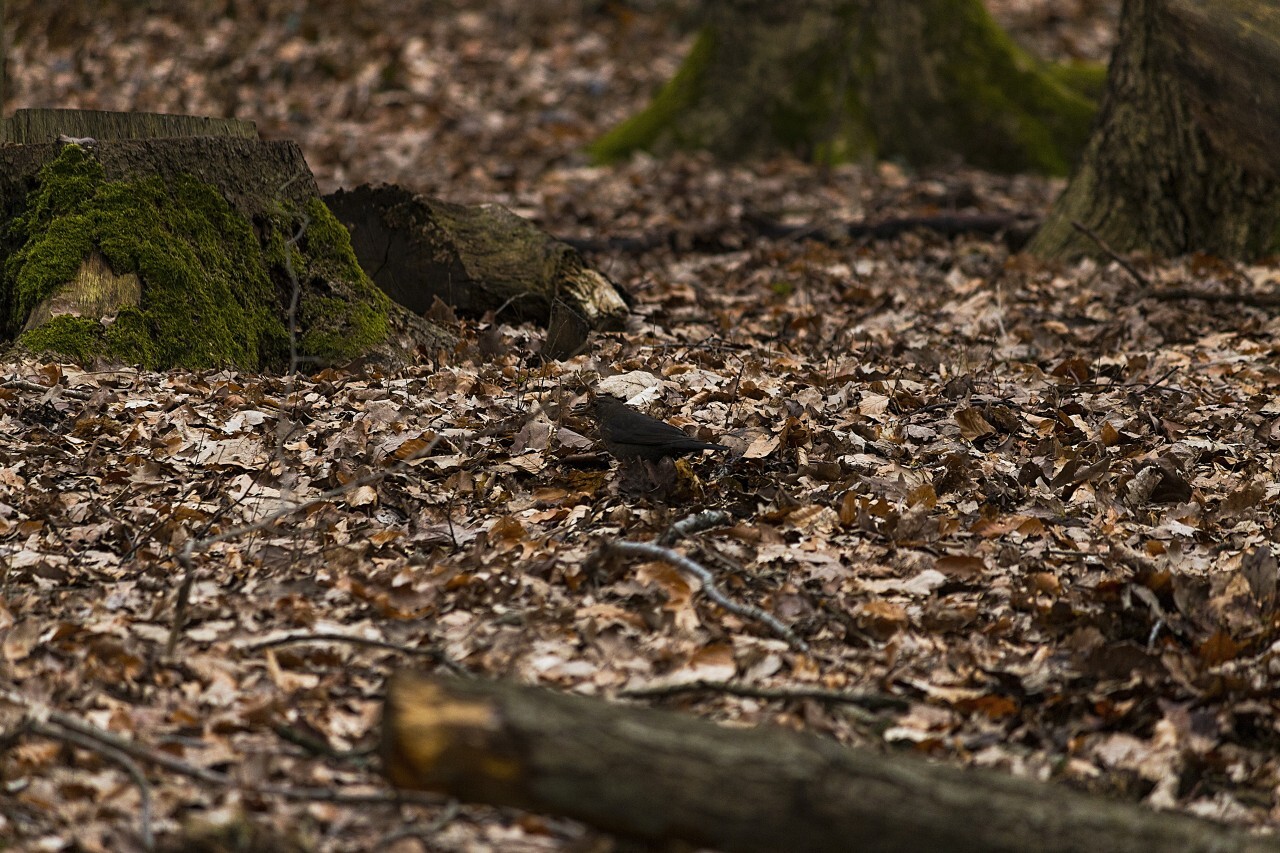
{"points": [[927, 81], [1182, 159]]}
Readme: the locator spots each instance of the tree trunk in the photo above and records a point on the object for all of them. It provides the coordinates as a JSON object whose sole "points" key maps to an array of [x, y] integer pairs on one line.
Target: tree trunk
{"points": [[4, 59], [1183, 156], [662, 776], [928, 81]]}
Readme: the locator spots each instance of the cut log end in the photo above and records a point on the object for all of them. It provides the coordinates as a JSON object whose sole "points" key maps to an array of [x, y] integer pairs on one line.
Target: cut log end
{"points": [[435, 739]]}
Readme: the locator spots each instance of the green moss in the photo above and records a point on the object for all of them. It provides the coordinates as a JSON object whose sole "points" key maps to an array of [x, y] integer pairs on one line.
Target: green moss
{"points": [[338, 330], [212, 294], [129, 339], [37, 266], [78, 338], [1084, 78], [1003, 109], [662, 115], [849, 80], [341, 312]]}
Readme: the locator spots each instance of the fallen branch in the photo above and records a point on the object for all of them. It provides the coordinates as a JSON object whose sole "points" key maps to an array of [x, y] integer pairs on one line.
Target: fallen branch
{"points": [[28, 385], [661, 776], [1257, 300], [436, 654], [1141, 279], [691, 524], [709, 587], [733, 236], [182, 601], [871, 700], [120, 757]]}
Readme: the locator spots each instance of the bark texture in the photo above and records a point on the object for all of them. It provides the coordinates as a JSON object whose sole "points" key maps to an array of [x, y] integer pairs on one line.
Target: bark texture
{"points": [[928, 81], [1227, 55], [661, 776], [46, 125], [1181, 160], [476, 259]]}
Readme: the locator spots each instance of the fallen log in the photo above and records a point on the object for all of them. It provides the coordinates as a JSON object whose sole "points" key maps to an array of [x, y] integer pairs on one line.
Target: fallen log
{"points": [[476, 260], [661, 776]]}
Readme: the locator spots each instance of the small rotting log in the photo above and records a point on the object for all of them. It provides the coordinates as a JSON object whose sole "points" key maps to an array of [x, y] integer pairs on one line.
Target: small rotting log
{"points": [[476, 260], [662, 776]]}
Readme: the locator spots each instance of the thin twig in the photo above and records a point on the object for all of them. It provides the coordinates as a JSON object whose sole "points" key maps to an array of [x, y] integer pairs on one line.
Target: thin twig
{"points": [[318, 746], [709, 587], [188, 550], [427, 833], [432, 652], [1160, 380], [692, 524], [54, 724], [28, 385], [871, 700], [1256, 300], [119, 757], [296, 292], [42, 715], [1112, 253]]}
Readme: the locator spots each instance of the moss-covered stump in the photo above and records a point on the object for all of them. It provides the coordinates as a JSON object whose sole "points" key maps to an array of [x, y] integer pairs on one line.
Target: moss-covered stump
{"points": [[925, 81], [476, 260], [184, 252]]}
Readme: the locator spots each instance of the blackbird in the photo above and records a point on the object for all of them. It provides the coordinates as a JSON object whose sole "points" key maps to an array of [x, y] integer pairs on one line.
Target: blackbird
{"points": [[629, 434]]}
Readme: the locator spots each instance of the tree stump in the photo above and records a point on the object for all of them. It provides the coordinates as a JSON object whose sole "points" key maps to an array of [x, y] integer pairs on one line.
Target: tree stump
{"points": [[46, 125], [182, 251]]}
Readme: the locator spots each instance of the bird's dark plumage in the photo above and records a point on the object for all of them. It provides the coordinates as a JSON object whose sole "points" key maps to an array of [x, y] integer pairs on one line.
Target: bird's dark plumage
{"points": [[629, 434]]}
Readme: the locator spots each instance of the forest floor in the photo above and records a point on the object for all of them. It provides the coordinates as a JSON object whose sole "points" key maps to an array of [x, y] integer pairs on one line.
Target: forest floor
{"points": [[1036, 503]]}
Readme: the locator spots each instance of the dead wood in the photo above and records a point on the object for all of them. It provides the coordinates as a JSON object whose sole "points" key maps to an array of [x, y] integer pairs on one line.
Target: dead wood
{"points": [[662, 776], [476, 260], [46, 125]]}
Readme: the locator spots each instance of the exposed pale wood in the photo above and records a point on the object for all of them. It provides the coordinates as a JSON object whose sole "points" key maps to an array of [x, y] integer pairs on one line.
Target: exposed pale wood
{"points": [[94, 291], [46, 125]]}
